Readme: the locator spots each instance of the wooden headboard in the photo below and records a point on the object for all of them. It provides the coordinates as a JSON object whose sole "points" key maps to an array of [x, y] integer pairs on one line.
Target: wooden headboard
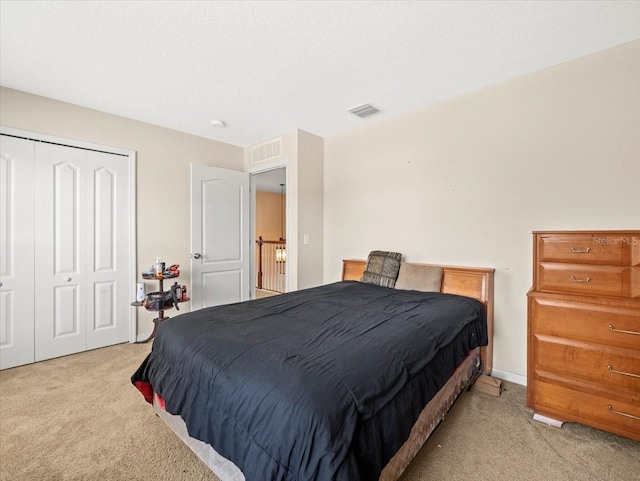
{"points": [[476, 282]]}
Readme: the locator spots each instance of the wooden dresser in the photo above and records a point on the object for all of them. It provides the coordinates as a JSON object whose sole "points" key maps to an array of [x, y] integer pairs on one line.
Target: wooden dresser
{"points": [[584, 329]]}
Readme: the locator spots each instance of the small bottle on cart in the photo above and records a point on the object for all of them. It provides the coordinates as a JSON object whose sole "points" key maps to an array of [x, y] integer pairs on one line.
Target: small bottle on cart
{"points": [[177, 289], [158, 268], [184, 293]]}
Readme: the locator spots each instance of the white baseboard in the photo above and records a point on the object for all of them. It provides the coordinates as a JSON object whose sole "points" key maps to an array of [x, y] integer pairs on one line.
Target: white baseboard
{"points": [[507, 376]]}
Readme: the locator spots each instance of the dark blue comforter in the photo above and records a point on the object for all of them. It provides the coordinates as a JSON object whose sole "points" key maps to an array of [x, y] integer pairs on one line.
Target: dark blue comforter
{"points": [[314, 385]]}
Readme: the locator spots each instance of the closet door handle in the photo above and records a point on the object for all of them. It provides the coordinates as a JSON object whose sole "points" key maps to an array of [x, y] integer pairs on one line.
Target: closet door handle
{"points": [[197, 255], [67, 279]]}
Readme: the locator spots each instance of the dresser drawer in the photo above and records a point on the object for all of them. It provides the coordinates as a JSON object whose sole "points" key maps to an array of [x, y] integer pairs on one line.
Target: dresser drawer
{"points": [[611, 413], [584, 279], [620, 249], [602, 324], [607, 366]]}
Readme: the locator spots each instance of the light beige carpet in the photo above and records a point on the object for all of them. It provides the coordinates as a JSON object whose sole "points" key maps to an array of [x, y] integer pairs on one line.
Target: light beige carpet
{"points": [[79, 418]]}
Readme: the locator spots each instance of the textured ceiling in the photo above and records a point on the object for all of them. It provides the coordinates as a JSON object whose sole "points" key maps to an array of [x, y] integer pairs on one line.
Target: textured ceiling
{"points": [[268, 67]]}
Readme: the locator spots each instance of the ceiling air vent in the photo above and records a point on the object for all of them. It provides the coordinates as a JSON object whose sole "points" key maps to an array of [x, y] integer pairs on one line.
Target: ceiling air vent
{"points": [[364, 110], [266, 151]]}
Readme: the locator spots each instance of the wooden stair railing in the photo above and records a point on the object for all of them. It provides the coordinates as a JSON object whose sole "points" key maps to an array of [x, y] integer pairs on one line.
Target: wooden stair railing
{"points": [[272, 257]]}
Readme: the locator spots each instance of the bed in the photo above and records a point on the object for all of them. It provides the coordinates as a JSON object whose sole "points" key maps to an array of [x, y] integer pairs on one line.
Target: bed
{"points": [[329, 383]]}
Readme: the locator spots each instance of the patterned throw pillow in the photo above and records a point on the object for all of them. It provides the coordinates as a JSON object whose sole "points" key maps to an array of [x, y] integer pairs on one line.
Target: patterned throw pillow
{"points": [[382, 268]]}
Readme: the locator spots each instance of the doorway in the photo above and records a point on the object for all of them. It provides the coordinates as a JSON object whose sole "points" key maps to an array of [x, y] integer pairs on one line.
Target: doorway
{"points": [[269, 192]]}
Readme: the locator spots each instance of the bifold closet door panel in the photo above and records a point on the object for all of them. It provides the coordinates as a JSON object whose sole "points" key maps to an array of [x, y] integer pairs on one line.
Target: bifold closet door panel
{"points": [[108, 234], [60, 250], [16, 251]]}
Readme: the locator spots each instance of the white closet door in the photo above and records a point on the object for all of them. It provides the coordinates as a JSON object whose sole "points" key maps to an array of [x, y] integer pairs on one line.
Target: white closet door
{"points": [[16, 251], [60, 251], [108, 232]]}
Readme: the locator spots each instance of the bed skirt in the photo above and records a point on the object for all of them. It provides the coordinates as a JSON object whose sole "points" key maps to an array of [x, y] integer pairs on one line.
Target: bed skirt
{"points": [[428, 420]]}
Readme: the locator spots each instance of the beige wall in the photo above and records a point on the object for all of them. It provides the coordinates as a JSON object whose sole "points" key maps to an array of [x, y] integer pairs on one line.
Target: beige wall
{"points": [[310, 209], [269, 222], [163, 159], [467, 180]]}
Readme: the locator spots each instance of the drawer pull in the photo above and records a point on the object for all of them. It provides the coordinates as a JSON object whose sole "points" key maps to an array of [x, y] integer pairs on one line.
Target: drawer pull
{"points": [[581, 281], [622, 372], [620, 413], [613, 329], [579, 251]]}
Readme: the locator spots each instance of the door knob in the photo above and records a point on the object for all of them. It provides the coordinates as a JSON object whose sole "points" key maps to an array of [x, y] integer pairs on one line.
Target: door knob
{"points": [[67, 279], [197, 255]]}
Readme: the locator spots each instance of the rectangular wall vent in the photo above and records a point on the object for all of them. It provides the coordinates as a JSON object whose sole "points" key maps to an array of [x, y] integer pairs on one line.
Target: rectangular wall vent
{"points": [[266, 151], [364, 110]]}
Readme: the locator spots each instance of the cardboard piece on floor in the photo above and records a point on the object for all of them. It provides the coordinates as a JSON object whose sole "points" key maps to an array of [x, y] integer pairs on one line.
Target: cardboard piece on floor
{"points": [[487, 384]]}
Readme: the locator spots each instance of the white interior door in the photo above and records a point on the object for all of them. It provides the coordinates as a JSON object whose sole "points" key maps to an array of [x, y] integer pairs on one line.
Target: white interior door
{"points": [[108, 234], [60, 251], [220, 264], [16, 252]]}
